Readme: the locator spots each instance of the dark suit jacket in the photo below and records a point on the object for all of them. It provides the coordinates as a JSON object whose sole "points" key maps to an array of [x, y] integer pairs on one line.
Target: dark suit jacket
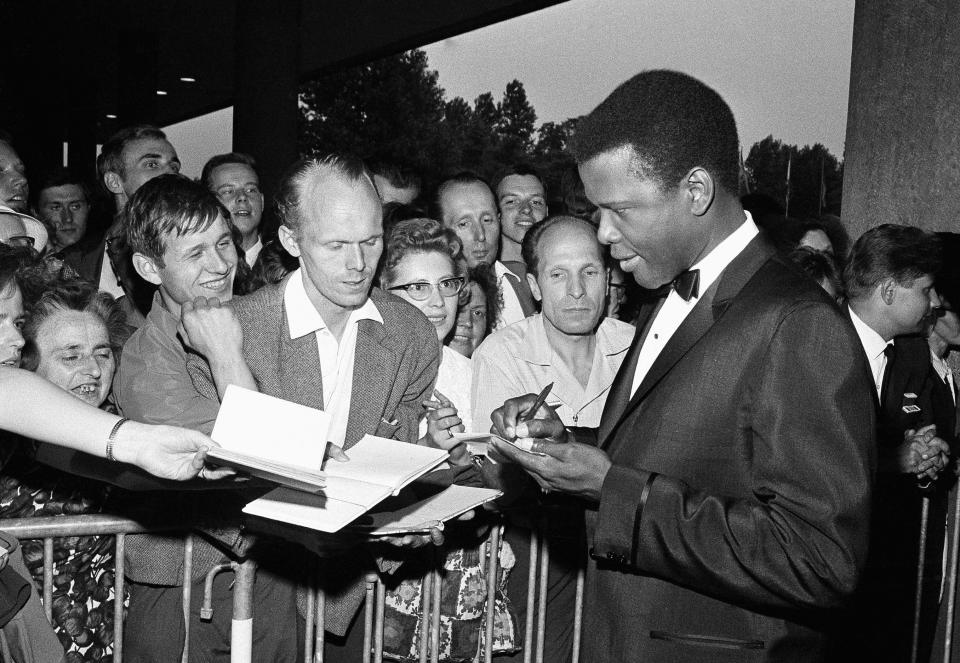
{"points": [[736, 508]]}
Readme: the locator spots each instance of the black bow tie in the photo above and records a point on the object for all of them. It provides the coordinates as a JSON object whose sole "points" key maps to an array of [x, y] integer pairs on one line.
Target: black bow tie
{"points": [[687, 284]]}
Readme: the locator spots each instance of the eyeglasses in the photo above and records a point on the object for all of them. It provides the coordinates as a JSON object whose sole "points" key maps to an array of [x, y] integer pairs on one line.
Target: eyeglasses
{"points": [[229, 192], [421, 290]]}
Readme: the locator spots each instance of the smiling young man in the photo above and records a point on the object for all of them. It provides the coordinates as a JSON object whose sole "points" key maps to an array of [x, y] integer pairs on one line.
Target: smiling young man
{"points": [[727, 486], [14, 189], [233, 178], [181, 240]]}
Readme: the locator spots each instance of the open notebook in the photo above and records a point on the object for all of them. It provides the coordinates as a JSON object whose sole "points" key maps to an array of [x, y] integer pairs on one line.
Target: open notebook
{"points": [[271, 438], [377, 468]]}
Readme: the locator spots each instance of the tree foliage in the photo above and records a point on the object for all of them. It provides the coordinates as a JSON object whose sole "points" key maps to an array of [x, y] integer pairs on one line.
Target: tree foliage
{"points": [[816, 176], [394, 109]]}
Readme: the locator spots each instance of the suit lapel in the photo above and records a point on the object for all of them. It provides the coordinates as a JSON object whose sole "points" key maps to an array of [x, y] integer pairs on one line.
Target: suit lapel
{"points": [[708, 309], [375, 366]]}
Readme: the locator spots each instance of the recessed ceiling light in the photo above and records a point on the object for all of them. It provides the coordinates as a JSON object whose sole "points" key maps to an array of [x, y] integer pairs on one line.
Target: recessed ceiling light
{"points": [[162, 93], [111, 116], [187, 79]]}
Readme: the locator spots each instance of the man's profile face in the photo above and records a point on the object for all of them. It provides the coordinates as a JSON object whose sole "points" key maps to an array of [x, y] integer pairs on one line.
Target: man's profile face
{"points": [[650, 231], [64, 209], [522, 205], [571, 280], [198, 264], [238, 188], [471, 212], [395, 194], [144, 159], [339, 243], [14, 190], [912, 304]]}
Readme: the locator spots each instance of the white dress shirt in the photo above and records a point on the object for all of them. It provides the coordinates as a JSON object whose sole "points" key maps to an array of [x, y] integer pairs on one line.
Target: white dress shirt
{"points": [[108, 280], [943, 369], [875, 348], [336, 358], [512, 311], [250, 255], [674, 310]]}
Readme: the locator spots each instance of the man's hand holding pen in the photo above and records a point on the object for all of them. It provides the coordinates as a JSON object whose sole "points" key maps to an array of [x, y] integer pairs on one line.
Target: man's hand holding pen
{"points": [[566, 467]]}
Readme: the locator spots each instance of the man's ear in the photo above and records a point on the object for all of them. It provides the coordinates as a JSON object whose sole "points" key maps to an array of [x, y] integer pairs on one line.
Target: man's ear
{"points": [[146, 268], [888, 291], [113, 182], [534, 288], [288, 240], [700, 189]]}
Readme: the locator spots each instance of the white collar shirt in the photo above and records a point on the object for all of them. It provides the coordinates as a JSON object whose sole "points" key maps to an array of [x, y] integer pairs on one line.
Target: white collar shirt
{"points": [[875, 348], [943, 369], [512, 311], [336, 358], [108, 282], [250, 255], [675, 310]]}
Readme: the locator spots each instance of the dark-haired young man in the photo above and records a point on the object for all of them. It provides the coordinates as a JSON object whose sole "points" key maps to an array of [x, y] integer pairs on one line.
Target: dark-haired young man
{"points": [[63, 204], [523, 204], [132, 156], [889, 279], [181, 240], [233, 178], [727, 486]]}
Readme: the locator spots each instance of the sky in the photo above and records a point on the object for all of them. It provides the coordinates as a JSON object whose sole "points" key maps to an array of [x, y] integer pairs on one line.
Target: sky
{"points": [[782, 65]]}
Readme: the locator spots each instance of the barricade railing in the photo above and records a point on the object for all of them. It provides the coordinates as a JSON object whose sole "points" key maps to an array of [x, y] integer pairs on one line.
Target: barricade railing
{"points": [[49, 528]]}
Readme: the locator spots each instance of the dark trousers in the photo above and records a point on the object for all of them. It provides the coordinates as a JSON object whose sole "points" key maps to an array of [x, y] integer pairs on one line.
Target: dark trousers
{"points": [[154, 633]]}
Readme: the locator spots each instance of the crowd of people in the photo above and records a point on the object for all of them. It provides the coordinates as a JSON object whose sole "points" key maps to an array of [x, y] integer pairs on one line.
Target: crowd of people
{"points": [[746, 421]]}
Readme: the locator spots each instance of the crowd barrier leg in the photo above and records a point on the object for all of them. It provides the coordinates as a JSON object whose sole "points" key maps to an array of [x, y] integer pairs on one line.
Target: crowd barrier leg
{"points": [[241, 629], [321, 603], [921, 564], [187, 590], [542, 595], [531, 592], [381, 596], [434, 614], [578, 616], [368, 610], [494, 548], [309, 653], [119, 541], [952, 575], [48, 578], [426, 601]]}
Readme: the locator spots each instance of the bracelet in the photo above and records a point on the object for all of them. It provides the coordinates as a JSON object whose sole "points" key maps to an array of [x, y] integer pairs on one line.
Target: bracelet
{"points": [[112, 438]]}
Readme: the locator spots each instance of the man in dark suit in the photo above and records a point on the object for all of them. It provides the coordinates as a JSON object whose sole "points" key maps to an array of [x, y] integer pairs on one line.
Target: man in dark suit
{"points": [[727, 487], [889, 279]]}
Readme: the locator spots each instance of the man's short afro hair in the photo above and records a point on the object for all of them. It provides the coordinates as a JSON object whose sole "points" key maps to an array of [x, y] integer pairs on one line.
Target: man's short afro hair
{"points": [[673, 122]]}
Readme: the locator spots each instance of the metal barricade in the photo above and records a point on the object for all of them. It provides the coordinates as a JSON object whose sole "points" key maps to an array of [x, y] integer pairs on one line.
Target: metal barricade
{"points": [[243, 608]]}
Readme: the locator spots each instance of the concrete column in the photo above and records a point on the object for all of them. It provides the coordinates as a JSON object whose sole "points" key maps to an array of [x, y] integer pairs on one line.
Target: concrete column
{"points": [[902, 157], [266, 81]]}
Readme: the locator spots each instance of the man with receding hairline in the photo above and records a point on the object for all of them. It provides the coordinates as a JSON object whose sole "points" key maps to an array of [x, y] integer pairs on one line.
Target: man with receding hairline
{"points": [[727, 486]]}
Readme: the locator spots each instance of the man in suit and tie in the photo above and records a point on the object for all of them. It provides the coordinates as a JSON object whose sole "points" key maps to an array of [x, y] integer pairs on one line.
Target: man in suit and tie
{"points": [[889, 279], [727, 486]]}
